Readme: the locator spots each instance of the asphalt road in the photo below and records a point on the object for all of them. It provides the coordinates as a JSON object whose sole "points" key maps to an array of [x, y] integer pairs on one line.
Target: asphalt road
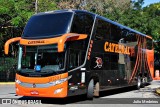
{"points": [[128, 96]]}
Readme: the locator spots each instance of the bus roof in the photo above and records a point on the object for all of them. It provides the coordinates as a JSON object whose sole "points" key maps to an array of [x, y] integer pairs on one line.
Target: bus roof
{"points": [[103, 18]]}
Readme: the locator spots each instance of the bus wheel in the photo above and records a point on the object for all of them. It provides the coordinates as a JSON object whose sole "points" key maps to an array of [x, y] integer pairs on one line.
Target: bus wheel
{"points": [[139, 82], [96, 89], [144, 81], [90, 89]]}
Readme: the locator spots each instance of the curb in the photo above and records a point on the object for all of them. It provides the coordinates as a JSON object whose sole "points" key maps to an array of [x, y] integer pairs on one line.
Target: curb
{"points": [[7, 83], [158, 91]]}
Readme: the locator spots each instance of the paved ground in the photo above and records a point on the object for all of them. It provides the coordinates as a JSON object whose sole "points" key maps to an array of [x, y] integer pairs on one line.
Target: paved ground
{"points": [[108, 98], [147, 92]]}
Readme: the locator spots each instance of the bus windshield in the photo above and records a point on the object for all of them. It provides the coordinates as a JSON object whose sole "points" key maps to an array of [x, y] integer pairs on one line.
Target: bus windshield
{"points": [[48, 25], [45, 57]]}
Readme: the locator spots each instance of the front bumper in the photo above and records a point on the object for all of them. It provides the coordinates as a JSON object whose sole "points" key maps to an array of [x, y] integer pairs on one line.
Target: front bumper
{"points": [[41, 87]]}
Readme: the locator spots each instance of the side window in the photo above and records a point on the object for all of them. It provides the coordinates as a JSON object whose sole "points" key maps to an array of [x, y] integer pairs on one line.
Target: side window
{"points": [[107, 63], [149, 44], [129, 37], [131, 41], [78, 24], [116, 33], [114, 61], [88, 23], [28, 58], [102, 30], [74, 59], [132, 37], [82, 23]]}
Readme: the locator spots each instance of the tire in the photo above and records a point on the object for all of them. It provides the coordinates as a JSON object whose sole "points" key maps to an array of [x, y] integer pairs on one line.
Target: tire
{"points": [[96, 89], [144, 81], [90, 90], [139, 82]]}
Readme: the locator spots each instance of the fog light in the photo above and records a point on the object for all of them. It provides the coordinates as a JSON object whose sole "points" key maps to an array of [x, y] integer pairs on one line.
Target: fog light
{"points": [[57, 91]]}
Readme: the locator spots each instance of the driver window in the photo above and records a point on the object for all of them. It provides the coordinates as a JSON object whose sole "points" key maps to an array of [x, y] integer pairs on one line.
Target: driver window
{"points": [[74, 59]]}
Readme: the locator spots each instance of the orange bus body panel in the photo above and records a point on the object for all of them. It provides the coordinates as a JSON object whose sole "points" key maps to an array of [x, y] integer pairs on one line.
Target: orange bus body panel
{"points": [[42, 91], [148, 36], [150, 61], [59, 40]]}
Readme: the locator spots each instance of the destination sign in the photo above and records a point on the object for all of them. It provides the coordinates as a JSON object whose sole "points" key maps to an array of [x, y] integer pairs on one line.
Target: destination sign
{"points": [[36, 42]]}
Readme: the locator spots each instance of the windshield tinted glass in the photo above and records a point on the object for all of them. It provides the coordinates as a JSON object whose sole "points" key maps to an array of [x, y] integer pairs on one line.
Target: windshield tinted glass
{"points": [[47, 25], [46, 58]]}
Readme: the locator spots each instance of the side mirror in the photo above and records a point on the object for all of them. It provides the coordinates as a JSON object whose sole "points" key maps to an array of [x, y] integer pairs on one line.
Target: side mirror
{"points": [[69, 37], [6, 46]]}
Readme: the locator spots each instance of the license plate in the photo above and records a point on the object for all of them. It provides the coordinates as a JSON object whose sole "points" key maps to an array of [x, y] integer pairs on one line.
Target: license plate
{"points": [[34, 92]]}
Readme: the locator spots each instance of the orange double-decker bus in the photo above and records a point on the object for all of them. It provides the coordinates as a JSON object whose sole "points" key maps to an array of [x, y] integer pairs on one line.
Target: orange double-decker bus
{"points": [[71, 52]]}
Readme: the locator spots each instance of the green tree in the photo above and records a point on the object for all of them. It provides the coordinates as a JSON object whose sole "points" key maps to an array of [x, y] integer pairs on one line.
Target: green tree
{"points": [[46, 5], [14, 15], [153, 12], [137, 4]]}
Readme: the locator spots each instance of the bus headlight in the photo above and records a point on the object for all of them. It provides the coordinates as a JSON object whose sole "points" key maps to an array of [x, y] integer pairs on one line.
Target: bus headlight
{"points": [[17, 81], [58, 81]]}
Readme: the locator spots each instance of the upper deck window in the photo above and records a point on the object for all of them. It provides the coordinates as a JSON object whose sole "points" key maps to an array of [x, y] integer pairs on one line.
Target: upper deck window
{"points": [[47, 25], [102, 30], [149, 44], [82, 23]]}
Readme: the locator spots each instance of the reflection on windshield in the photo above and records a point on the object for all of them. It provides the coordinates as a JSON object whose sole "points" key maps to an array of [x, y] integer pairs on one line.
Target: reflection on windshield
{"points": [[46, 58]]}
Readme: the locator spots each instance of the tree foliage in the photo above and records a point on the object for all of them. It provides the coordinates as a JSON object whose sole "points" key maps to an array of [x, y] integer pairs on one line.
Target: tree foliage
{"points": [[153, 12], [15, 13], [13, 17]]}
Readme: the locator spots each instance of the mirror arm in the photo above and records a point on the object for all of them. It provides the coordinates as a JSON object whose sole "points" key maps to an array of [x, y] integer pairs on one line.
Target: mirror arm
{"points": [[6, 46]]}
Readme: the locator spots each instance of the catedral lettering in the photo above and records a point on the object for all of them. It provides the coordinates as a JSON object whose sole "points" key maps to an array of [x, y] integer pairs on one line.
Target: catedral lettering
{"points": [[117, 48], [35, 42]]}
